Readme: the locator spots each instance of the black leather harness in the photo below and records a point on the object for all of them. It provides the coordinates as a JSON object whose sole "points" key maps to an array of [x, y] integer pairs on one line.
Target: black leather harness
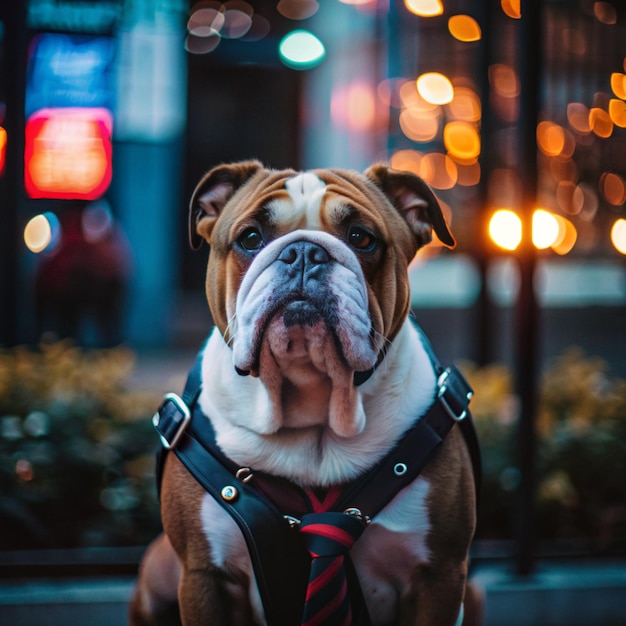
{"points": [[282, 573]]}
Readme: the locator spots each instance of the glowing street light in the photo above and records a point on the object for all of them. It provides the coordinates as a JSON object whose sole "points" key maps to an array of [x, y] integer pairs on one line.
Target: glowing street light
{"points": [[505, 229], [435, 88], [618, 235], [301, 50], [41, 232]]}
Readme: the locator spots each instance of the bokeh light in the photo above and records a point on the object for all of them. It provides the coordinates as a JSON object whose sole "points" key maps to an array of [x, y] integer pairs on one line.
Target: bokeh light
{"points": [[578, 117], [435, 88], [505, 229], [425, 8], [407, 161], [68, 153], [618, 235], [550, 138], [504, 80], [465, 105], [3, 148], [567, 237], [464, 28], [420, 126], [353, 107], [297, 9], [617, 112], [438, 170], [468, 174], [462, 141], [206, 21], [237, 19], [600, 122], [605, 12], [618, 84], [42, 232], [569, 197], [512, 8], [545, 229], [613, 189], [301, 50]]}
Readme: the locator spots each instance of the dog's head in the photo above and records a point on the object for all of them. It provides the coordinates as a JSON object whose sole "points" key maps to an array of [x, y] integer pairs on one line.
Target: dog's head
{"points": [[307, 273]]}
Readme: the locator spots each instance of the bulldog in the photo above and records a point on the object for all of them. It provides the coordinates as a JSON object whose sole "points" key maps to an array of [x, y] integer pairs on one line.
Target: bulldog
{"points": [[312, 373]]}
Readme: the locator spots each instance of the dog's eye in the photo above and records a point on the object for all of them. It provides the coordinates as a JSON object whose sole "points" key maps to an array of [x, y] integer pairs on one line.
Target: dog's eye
{"points": [[251, 239], [361, 239]]}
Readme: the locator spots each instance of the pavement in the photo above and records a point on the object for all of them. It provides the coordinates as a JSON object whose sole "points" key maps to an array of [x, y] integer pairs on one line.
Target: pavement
{"points": [[565, 593]]}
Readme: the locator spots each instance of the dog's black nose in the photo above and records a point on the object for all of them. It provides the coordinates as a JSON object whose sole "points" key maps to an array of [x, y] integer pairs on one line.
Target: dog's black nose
{"points": [[302, 255]]}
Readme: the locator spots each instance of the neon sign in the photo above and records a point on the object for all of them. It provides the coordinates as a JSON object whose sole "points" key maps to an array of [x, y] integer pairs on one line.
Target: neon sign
{"points": [[68, 153]]}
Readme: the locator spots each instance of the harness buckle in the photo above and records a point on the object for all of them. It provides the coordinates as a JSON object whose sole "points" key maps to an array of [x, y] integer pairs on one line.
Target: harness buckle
{"points": [[454, 393], [171, 420]]}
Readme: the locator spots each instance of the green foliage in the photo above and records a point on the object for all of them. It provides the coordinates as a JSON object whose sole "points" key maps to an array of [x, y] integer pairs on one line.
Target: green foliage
{"points": [[76, 449], [581, 460]]}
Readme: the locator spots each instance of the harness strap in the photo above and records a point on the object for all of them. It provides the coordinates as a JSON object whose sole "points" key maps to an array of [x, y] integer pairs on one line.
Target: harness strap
{"points": [[282, 574]]}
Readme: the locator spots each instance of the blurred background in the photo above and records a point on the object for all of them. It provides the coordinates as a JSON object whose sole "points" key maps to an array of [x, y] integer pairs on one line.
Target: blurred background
{"points": [[111, 111]]}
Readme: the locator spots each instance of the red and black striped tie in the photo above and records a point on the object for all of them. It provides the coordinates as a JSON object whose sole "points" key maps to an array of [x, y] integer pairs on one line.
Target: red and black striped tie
{"points": [[328, 537]]}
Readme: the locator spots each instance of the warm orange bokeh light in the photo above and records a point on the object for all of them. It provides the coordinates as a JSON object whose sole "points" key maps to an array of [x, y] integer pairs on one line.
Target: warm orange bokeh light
{"points": [[438, 170], [469, 174], [618, 84], [464, 28], [550, 138], [549, 230], [617, 112], [605, 12], [567, 237], [505, 229], [465, 105], [418, 125], [613, 189], [462, 141], [425, 8], [409, 97], [504, 81], [407, 161], [618, 235], [68, 153], [435, 88], [578, 117], [546, 229], [570, 197], [600, 122], [511, 8]]}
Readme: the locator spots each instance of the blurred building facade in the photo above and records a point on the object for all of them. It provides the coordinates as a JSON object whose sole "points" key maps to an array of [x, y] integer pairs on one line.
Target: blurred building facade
{"points": [[190, 85]]}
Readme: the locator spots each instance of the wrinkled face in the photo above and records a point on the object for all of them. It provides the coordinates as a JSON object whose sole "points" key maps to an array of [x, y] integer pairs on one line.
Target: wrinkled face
{"points": [[307, 275]]}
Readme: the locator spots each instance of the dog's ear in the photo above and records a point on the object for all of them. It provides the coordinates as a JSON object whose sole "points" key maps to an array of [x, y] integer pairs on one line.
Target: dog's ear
{"points": [[211, 195], [415, 201]]}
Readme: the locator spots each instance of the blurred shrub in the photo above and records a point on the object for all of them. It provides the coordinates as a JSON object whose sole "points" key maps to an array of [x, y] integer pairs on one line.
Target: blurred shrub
{"points": [[581, 460], [76, 449]]}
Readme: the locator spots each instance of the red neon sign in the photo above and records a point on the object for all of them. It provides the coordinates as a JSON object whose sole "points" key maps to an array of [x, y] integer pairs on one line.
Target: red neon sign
{"points": [[3, 148], [68, 153]]}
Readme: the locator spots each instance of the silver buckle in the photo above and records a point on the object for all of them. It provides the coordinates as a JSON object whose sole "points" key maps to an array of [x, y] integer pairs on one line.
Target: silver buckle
{"points": [[441, 384], [184, 409]]}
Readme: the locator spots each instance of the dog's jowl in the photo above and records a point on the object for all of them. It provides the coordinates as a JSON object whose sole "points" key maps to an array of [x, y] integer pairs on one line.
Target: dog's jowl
{"points": [[320, 466]]}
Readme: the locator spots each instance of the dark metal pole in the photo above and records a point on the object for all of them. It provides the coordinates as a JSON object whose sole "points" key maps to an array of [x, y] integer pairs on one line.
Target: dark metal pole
{"points": [[11, 185], [526, 322], [484, 309]]}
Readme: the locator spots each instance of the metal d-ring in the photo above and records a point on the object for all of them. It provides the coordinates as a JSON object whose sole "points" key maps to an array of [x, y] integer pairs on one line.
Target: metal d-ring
{"points": [[244, 474]]}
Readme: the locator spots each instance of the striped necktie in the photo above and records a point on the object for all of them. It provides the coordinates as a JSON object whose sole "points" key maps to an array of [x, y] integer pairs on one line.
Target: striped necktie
{"points": [[328, 537]]}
